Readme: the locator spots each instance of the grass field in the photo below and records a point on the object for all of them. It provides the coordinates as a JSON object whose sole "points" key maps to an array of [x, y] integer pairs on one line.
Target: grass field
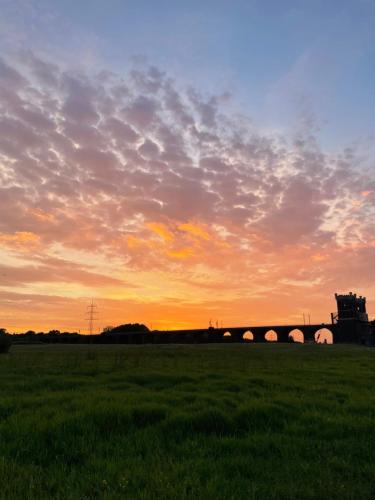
{"points": [[177, 422]]}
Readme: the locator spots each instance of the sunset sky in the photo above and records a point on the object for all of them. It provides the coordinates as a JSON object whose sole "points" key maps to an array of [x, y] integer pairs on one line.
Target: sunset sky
{"points": [[185, 161]]}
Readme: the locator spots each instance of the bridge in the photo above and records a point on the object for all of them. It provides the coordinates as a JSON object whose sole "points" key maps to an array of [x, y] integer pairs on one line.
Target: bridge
{"points": [[349, 325], [349, 332], [244, 334]]}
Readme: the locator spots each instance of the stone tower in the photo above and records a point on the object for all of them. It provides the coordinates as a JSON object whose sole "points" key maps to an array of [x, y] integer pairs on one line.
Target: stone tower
{"points": [[351, 307], [352, 319]]}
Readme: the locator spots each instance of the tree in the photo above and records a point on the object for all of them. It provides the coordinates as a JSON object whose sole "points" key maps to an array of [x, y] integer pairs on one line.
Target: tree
{"points": [[5, 341], [128, 328], [107, 329]]}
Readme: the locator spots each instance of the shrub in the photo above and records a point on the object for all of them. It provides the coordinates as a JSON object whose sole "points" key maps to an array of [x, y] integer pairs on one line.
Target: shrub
{"points": [[5, 343]]}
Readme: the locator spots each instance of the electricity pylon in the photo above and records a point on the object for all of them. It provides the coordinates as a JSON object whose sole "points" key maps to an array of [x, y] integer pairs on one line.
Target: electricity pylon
{"points": [[91, 315]]}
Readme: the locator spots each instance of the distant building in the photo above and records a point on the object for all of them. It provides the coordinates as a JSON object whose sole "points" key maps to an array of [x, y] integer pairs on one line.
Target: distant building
{"points": [[351, 307], [351, 320]]}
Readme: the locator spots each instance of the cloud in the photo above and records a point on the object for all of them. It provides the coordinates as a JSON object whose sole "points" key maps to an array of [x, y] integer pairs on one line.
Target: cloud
{"points": [[161, 230], [158, 179], [194, 229], [55, 271]]}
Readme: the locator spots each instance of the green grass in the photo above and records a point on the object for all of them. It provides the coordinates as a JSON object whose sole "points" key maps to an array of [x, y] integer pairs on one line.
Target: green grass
{"points": [[187, 422]]}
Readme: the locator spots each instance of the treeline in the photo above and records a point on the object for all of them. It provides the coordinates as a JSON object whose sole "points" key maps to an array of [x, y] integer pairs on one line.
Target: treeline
{"points": [[108, 335]]}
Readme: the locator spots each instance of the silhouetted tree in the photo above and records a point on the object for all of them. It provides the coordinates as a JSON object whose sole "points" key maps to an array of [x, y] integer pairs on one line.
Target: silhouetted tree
{"points": [[128, 328], [107, 329], [5, 341]]}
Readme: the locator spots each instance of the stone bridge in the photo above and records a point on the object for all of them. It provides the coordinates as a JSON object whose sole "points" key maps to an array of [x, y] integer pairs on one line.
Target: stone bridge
{"points": [[344, 332], [275, 333], [349, 325]]}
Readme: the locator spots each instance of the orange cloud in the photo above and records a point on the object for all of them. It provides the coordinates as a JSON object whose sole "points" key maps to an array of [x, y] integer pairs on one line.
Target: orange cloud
{"points": [[21, 240], [183, 253], [161, 230], [134, 242], [318, 257], [42, 215], [195, 230]]}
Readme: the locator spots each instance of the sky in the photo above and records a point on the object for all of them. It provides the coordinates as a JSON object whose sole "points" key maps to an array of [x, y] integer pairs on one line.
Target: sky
{"points": [[180, 162]]}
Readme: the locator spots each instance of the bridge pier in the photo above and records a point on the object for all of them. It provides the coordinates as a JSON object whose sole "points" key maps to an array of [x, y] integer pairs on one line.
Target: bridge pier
{"points": [[283, 336], [308, 335], [259, 336]]}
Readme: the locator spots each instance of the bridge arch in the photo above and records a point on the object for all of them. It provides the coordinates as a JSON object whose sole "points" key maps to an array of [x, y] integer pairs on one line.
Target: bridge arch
{"points": [[248, 336], [297, 335], [227, 334], [323, 336], [271, 336]]}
